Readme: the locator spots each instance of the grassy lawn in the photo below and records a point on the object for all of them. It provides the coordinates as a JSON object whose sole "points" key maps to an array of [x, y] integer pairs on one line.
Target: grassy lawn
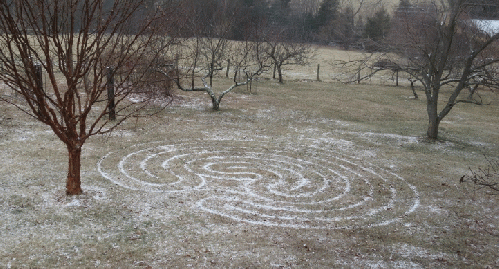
{"points": [[306, 174]]}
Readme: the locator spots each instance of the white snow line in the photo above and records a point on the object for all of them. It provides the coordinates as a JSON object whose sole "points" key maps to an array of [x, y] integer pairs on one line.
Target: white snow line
{"points": [[259, 183]]}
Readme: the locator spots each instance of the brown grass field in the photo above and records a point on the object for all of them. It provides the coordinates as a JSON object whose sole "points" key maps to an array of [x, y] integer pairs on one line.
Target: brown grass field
{"points": [[301, 175]]}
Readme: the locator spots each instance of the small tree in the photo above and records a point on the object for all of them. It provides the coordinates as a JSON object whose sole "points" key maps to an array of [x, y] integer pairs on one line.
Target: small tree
{"points": [[281, 50], [204, 54], [250, 60], [73, 43], [443, 49]]}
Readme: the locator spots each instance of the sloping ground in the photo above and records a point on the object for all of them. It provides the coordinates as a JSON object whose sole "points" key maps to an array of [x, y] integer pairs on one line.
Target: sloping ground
{"points": [[301, 175]]}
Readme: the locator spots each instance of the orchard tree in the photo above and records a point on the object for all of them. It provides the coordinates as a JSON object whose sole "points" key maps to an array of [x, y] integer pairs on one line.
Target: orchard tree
{"points": [[248, 57], [445, 51], [77, 44], [282, 51], [206, 52]]}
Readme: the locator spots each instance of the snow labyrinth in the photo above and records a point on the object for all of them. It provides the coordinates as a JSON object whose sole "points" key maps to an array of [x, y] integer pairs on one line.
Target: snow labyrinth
{"points": [[309, 185]]}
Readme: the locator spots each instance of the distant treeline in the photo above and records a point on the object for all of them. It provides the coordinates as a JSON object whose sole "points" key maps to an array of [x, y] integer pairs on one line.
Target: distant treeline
{"points": [[326, 21], [317, 21]]}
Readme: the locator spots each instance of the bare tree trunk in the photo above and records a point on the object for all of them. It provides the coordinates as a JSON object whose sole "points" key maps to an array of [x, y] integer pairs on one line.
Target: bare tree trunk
{"points": [[472, 91], [212, 66], [73, 183], [433, 119], [414, 90], [194, 65], [250, 83], [216, 103], [433, 129]]}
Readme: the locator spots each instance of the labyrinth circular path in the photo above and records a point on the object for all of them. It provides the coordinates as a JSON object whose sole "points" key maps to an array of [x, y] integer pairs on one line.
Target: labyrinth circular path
{"points": [[300, 185]]}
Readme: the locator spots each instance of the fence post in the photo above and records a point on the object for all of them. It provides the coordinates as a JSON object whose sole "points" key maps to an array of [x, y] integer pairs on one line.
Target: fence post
{"points": [[39, 85], [247, 83], [318, 70], [110, 94], [228, 67], [397, 78], [39, 76]]}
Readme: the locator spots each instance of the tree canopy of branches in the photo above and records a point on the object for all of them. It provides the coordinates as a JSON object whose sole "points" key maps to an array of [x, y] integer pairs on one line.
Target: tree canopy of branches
{"points": [[74, 43], [205, 53], [200, 58], [484, 177], [251, 63], [282, 52], [445, 51]]}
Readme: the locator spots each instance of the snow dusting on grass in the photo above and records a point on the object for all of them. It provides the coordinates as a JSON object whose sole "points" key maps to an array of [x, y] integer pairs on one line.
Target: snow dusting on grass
{"points": [[270, 181]]}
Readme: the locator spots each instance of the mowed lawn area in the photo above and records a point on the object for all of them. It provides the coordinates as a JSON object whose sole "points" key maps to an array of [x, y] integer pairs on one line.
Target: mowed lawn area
{"points": [[304, 174]]}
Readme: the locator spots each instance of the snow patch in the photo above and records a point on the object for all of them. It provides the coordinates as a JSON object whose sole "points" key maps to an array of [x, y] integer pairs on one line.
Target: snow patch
{"points": [[490, 27], [76, 202]]}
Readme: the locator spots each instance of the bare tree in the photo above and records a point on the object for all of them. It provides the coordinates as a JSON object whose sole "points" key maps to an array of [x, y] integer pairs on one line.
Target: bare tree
{"points": [[204, 54], [364, 67], [250, 60], [74, 43], [443, 49], [282, 51], [213, 51]]}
